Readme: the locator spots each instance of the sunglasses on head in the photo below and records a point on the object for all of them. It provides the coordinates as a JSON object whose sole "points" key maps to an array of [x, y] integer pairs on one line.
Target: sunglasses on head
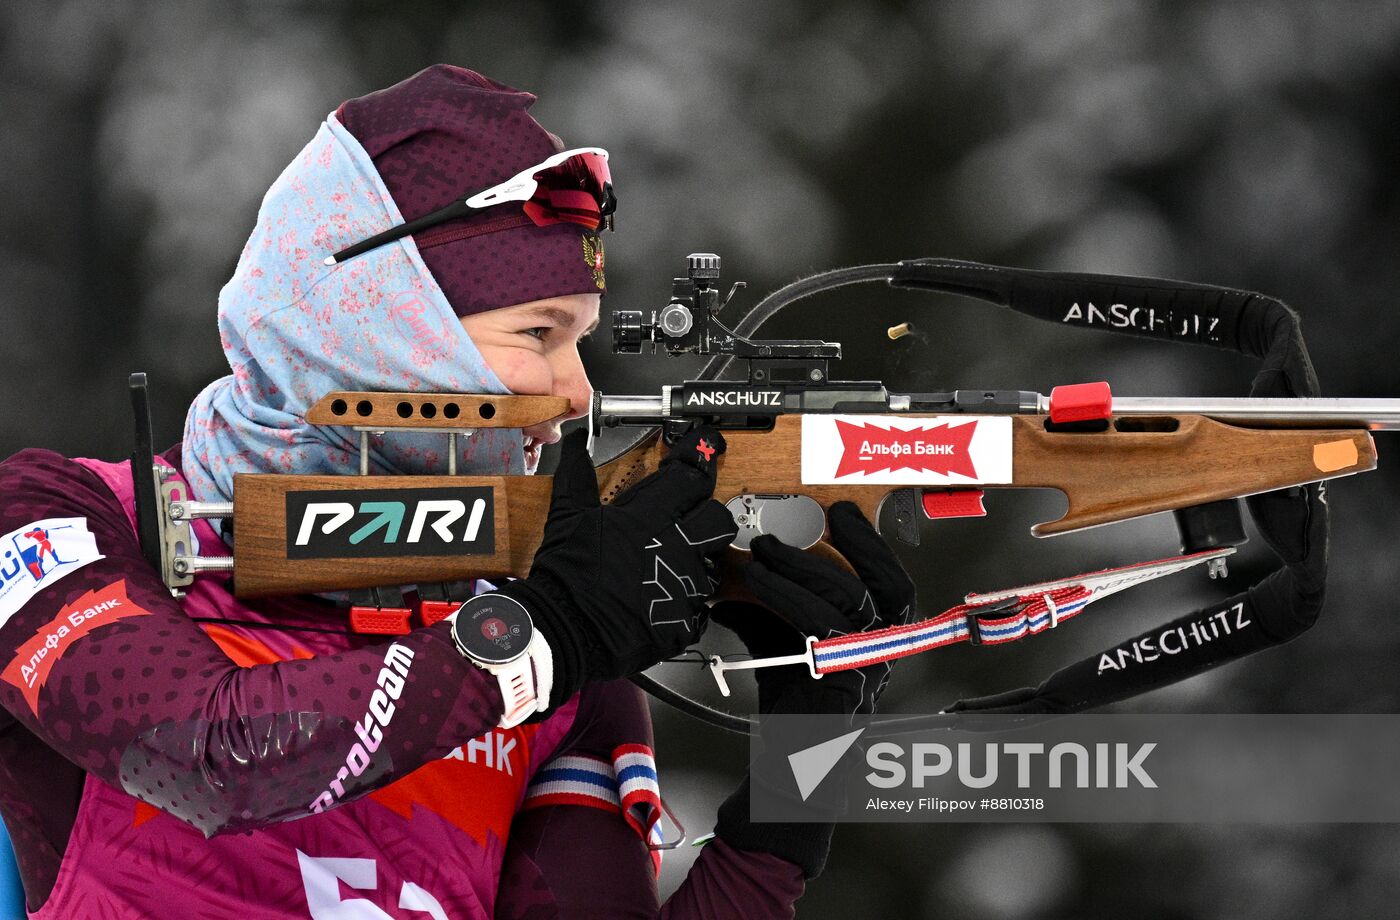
{"points": [[570, 187]]}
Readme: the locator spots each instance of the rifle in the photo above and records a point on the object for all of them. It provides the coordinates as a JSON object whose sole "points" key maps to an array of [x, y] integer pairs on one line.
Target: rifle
{"points": [[800, 441]]}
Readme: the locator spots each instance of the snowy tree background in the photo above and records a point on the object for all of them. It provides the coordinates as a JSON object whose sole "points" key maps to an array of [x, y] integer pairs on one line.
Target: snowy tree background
{"points": [[1234, 143]]}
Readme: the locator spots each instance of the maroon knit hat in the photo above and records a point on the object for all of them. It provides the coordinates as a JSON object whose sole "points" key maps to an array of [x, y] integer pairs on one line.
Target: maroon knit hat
{"points": [[446, 133]]}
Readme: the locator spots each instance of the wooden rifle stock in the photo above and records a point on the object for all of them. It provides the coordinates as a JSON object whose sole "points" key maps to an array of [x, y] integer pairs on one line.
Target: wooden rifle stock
{"points": [[1133, 467]]}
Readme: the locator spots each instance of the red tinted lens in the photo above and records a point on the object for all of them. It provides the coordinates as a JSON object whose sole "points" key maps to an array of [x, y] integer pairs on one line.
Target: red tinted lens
{"points": [[588, 171], [576, 191]]}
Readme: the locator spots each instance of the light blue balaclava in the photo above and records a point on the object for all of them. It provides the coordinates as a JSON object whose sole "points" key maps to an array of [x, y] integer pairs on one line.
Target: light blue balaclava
{"points": [[295, 329]]}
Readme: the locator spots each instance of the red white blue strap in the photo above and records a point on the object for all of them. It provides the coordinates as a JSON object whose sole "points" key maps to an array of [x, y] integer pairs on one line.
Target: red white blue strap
{"points": [[641, 796], [627, 785], [985, 619], [575, 780], [637, 786], [1027, 615]]}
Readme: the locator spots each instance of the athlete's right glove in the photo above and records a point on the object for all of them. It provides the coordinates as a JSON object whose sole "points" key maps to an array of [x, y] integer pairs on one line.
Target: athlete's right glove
{"points": [[616, 588]]}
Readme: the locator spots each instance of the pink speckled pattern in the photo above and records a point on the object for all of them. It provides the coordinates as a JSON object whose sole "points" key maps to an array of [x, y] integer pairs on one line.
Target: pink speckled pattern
{"points": [[295, 329]]}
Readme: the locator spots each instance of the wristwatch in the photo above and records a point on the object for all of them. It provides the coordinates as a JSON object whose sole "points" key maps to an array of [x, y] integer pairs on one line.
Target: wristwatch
{"points": [[495, 633]]}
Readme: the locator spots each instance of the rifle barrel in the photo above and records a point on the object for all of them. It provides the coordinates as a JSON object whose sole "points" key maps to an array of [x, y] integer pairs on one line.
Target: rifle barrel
{"points": [[631, 407], [1374, 414]]}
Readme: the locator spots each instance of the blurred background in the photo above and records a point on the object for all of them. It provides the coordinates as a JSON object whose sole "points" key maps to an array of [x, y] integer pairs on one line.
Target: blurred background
{"points": [[1241, 144]]}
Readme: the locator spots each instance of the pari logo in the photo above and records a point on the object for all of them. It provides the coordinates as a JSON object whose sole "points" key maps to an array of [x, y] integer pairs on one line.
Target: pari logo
{"points": [[38, 554], [934, 450], [362, 523]]}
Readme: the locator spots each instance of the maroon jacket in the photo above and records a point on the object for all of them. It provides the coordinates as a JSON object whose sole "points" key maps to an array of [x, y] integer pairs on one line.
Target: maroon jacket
{"points": [[151, 751]]}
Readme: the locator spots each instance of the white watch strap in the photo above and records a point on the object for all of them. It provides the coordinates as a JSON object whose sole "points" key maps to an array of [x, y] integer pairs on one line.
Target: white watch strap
{"points": [[526, 682], [543, 659]]}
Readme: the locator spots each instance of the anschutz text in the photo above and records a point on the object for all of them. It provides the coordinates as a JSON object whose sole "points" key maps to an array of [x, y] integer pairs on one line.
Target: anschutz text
{"points": [[1175, 639], [771, 398]]}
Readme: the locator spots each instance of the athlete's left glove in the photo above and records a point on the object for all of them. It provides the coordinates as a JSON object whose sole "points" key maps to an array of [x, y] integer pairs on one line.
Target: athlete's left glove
{"points": [[811, 596], [616, 588]]}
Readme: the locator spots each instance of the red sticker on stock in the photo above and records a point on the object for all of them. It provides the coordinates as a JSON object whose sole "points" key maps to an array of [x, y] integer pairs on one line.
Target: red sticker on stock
{"points": [[899, 450]]}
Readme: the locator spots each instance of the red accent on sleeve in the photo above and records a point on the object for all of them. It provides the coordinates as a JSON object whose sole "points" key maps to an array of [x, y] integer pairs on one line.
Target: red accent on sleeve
{"points": [[245, 651]]}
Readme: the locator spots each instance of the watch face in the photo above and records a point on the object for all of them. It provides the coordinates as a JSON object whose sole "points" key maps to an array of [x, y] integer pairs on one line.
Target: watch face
{"points": [[493, 629]]}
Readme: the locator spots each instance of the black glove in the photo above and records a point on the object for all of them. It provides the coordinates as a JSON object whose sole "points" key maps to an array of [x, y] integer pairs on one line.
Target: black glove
{"points": [[814, 597], [616, 588]]}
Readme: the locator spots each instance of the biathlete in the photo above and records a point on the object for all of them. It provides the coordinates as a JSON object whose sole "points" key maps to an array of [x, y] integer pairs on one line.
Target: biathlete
{"points": [[215, 757]]}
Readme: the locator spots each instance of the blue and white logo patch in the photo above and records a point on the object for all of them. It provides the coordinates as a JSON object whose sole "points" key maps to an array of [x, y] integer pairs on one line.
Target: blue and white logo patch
{"points": [[39, 554]]}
